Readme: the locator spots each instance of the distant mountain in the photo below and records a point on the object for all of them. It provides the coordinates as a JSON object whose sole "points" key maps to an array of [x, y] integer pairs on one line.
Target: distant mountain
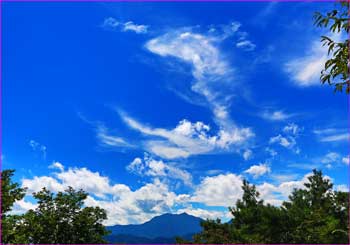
{"points": [[160, 229]]}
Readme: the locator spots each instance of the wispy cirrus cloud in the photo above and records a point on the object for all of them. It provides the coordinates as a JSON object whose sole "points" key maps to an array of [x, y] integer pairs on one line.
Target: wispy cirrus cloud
{"points": [[113, 24], [305, 70], [38, 147], [331, 134]]}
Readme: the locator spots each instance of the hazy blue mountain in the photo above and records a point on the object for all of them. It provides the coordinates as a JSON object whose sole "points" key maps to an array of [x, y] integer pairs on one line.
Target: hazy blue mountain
{"points": [[160, 229]]}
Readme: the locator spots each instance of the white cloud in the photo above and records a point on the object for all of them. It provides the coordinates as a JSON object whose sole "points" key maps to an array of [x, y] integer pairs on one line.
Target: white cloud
{"points": [[214, 77], [306, 70], [205, 214], [247, 154], [283, 141], [271, 151], [331, 134], [258, 170], [331, 157], [36, 146], [130, 26], [221, 190], [123, 205], [288, 140], [246, 45], [57, 165], [187, 138], [112, 23], [336, 137], [292, 128], [22, 206], [157, 168], [110, 140], [345, 160], [278, 115], [342, 188]]}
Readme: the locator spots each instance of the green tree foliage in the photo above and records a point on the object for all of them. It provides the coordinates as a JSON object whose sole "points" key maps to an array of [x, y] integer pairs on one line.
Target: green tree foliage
{"points": [[313, 214], [10, 193], [336, 69], [60, 218]]}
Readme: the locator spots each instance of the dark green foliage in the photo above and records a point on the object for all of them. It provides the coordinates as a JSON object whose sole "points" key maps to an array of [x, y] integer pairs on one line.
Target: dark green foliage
{"points": [[10, 193], [336, 69], [60, 218], [314, 214], [63, 219]]}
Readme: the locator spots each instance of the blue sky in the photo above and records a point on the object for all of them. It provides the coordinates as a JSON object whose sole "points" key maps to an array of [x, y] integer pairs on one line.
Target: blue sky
{"points": [[166, 107]]}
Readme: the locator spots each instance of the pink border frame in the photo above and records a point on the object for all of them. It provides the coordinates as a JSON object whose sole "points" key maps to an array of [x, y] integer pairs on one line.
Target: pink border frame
{"points": [[135, 1]]}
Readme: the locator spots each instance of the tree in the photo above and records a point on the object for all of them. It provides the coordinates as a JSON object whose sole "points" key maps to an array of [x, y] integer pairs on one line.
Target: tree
{"points": [[313, 214], [337, 68], [61, 218], [318, 214], [10, 193]]}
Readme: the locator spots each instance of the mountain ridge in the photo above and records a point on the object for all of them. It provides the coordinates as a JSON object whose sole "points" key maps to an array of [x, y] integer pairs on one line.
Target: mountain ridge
{"points": [[160, 229]]}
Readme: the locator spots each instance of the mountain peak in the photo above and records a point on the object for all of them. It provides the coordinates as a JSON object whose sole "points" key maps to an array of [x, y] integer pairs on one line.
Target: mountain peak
{"points": [[167, 225]]}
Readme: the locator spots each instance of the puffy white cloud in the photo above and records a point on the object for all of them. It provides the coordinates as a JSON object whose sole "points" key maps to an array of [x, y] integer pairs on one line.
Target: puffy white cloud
{"points": [[157, 168], [113, 24], [205, 214], [247, 154], [288, 139], [57, 165], [22, 206], [187, 138], [221, 190], [258, 170], [77, 178]]}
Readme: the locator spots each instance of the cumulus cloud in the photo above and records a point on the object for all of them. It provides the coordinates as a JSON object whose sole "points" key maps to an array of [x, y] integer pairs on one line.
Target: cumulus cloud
{"points": [[57, 165], [157, 168], [221, 190], [205, 214], [113, 24], [123, 205], [187, 138], [288, 139], [258, 170]]}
